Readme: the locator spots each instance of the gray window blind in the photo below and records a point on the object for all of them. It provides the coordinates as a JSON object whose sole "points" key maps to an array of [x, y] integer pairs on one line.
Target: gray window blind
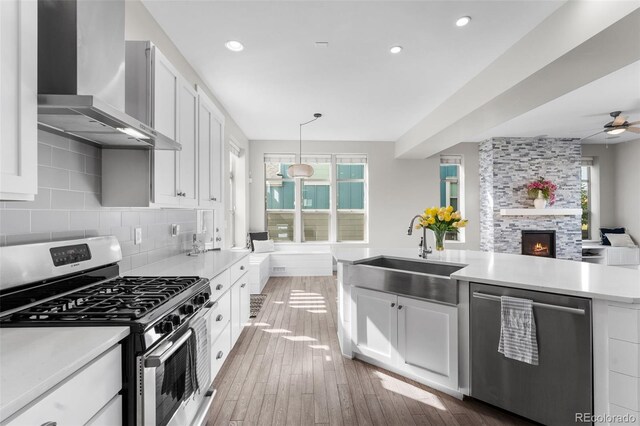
{"points": [[280, 158], [351, 158], [316, 158], [586, 161], [451, 159]]}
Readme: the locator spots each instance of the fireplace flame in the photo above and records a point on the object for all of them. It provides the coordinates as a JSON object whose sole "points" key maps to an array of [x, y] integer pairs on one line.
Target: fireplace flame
{"points": [[540, 248]]}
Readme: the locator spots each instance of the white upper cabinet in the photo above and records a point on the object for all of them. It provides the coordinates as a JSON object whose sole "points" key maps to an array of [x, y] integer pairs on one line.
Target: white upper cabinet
{"points": [[18, 99], [165, 83], [211, 151], [187, 158]]}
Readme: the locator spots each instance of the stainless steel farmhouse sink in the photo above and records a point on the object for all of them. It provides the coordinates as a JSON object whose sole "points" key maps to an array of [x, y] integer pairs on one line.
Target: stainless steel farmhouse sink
{"points": [[419, 279]]}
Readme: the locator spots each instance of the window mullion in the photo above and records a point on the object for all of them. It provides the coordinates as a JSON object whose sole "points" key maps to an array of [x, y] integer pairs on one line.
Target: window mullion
{"points": [[333, 202]]}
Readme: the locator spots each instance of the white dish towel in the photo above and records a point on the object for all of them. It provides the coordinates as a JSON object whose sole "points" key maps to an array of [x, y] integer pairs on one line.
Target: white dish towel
{"points": [[518, 330]]}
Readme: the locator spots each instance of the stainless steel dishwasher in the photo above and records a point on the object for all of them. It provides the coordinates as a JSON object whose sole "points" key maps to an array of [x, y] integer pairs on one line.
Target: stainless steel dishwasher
{"points": [[562, 384]]}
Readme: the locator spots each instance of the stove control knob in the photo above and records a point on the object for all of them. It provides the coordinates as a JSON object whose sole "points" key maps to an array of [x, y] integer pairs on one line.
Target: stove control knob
{"points": [[187, 309], [206, 295], [199, 300], [166, 326], [175, 319]]}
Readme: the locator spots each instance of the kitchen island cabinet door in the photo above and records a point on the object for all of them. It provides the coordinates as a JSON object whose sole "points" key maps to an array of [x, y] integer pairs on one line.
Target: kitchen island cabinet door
{"points": [[375, 324], [211, 151], [428, 341], [18, 100]]}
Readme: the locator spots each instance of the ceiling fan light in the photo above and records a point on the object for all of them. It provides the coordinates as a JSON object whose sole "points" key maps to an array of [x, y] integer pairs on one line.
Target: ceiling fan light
{"points": [[616, 131], [300, 171]]}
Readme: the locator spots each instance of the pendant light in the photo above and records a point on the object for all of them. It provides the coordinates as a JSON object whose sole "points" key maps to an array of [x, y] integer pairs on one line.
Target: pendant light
{"points": [[301, 170]]}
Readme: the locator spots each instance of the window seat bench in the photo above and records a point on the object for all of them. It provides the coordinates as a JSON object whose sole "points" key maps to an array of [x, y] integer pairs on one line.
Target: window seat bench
{"points": [[289, 260]]}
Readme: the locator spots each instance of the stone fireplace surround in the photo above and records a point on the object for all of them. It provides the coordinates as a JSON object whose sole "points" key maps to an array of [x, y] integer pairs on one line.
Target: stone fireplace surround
{"points": [[506, 166]]}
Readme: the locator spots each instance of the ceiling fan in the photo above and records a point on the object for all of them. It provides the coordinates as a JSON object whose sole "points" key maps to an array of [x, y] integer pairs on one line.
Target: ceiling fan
{"points": [[618, 125]]}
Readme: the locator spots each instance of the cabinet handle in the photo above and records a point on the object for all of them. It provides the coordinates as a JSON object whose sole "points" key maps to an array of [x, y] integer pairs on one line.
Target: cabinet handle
{"points": [[49, 424], [242, 268], [393, 304], [184, 194], [220, 355], [219, 287], [179, 194], [214, 199], [219, 317], [243, 285], [399, 306]]}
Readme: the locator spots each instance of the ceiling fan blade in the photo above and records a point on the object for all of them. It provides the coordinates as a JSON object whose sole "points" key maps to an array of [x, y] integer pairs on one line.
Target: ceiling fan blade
{"points": [[619, 121], [633, 129], [590, 136]]}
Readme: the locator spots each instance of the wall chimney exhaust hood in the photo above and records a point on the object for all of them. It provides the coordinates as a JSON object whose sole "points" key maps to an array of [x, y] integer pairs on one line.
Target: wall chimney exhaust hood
{"points": [[81, 76]]}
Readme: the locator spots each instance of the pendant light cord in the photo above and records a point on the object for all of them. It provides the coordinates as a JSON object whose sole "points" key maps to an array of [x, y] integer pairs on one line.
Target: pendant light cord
{"points": [[316, 116]]}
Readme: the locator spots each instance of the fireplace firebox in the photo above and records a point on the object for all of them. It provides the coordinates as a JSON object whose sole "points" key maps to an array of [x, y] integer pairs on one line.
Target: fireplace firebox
{"points": [[539, 243]]}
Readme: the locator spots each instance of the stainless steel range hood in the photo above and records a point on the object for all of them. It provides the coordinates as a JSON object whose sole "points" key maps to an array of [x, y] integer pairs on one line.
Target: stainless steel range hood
{"points": [[81, 76]]}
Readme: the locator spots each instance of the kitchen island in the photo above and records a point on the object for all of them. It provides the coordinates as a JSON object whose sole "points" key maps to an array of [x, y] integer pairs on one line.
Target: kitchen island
{"points": [[428, 338]]}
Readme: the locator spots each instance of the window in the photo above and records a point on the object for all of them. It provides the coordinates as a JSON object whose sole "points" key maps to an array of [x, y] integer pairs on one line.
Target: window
{"points": [[351, 190], [316, 199], [585, 196], [280, 198], [451, 188], [332, 203]]}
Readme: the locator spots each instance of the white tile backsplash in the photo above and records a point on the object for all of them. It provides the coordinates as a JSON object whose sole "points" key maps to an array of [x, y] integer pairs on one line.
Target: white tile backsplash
{"points": [[67, 206]]}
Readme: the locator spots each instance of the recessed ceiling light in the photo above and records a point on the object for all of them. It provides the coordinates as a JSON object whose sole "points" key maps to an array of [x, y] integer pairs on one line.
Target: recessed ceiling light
{"points": [[234, 46], [395, 49], [461, 22]]}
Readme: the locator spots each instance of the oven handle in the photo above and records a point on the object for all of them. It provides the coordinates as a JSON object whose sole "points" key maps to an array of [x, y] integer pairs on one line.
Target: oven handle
{"points": [[153, 361]]}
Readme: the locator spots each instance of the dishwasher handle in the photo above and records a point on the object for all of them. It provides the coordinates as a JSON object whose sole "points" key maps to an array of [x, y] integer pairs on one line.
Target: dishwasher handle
{"points": [[577, 311]]}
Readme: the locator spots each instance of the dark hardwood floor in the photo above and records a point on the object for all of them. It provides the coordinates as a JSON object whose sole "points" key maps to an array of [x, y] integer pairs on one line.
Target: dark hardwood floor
{"points": [[287, 369]]}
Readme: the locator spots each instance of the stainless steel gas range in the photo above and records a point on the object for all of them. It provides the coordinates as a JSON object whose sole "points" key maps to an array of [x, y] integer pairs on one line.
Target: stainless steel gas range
{"points": [[167, 360]]}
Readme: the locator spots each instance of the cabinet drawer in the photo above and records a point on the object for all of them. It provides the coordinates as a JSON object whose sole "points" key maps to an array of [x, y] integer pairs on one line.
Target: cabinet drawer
{"points": [[624, 357], [239, 268], [220, 349], [624, 324], [220, 315], [110, 415], [624, 391], [78, 398], [220, 284]]}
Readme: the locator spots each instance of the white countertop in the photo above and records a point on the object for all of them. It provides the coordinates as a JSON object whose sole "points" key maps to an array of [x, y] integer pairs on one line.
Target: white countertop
{"points": [[526, 272], [33, 360], [206, 265]]}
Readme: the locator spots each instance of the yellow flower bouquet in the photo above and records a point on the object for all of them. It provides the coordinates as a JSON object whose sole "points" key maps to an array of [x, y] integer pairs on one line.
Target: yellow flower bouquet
{"points": [[441, 220]]}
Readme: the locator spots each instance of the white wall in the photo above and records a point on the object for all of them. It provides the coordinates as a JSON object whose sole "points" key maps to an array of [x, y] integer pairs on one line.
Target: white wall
{"points": [[140, 25], [398, 189], [627, 187]]}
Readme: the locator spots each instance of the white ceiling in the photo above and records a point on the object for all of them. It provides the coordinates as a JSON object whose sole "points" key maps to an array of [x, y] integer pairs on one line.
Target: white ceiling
{"points": [[582, 112], [363, 91]]}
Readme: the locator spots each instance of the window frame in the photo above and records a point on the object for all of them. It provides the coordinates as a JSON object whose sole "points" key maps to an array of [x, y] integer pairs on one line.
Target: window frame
{"points": [[298, 210], [458, 161]]}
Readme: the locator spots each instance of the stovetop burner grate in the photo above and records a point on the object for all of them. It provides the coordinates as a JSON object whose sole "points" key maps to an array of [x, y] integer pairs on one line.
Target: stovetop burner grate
{"points": [[126, 298]]}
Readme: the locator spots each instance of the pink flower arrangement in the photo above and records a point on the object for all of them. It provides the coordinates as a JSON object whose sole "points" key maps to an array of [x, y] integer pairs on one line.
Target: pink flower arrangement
{"points": [[546, 187]]}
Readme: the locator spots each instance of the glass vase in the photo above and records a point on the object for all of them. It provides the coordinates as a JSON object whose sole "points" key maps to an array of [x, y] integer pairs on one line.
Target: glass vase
{"points": [[439, 234]]}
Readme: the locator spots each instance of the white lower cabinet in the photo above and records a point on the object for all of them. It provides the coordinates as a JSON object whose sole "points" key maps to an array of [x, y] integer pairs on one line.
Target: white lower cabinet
{"points": [[240, 302], [428, 340], [375, 324], [80, 398], [416, 337]]}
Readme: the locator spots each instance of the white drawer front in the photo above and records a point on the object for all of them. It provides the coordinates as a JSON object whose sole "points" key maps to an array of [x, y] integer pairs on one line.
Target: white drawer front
{"points": [[238, 269], [220, 315], [622, 416], [220, 349], [110, 415], [220, 284], [79, 398], [624, 357], [624, 324], [624, 391]]}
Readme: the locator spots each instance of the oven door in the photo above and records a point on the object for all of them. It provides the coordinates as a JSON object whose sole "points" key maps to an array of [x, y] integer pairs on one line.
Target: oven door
{"points": [[168, 396]]}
